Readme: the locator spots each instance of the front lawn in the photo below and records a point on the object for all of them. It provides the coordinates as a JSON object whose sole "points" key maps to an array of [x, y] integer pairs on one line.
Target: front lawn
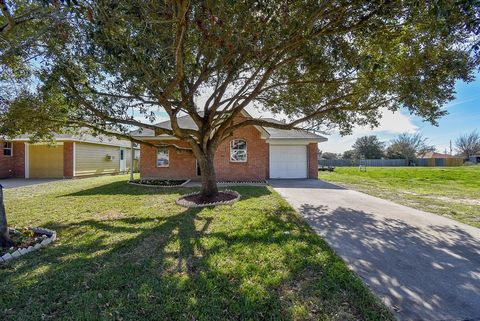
{"points": [[129, 253], [450, 191]]}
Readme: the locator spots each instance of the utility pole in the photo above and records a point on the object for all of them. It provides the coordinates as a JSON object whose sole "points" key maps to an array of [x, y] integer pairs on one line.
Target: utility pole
{"points": [[450, 147]]}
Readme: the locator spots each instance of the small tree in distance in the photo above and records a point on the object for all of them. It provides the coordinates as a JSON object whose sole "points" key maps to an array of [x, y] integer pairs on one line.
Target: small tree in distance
{"points": [[468, 144], [328, 155], [369, 147], [348, 154], [408, 146]]}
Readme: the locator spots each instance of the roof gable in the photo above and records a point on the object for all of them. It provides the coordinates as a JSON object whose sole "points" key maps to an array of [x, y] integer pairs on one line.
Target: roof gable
{"points": [[187, 122]]}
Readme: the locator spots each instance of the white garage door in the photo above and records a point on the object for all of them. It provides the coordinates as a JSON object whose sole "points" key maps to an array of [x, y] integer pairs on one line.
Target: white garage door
{"points": [[288, 161]]}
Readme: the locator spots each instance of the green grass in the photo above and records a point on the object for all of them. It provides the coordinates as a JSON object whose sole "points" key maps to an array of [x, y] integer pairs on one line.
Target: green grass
{"points": [[129, 253], [450, 191]]}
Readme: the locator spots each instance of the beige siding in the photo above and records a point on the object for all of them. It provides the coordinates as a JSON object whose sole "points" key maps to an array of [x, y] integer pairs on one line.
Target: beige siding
{"points": [[91, 159]]}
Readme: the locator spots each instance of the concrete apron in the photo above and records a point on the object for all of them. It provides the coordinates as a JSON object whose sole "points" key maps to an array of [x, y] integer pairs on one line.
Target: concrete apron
{"points": [[423, 266]]}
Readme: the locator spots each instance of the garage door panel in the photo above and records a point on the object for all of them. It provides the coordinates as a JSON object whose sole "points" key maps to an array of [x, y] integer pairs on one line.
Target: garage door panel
{"points": [[288, 161], [45, 161]]}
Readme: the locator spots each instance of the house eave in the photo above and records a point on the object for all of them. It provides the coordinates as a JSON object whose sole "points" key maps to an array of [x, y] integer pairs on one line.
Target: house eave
{"points": [[76, 140], [148, 138], [295, 141]]}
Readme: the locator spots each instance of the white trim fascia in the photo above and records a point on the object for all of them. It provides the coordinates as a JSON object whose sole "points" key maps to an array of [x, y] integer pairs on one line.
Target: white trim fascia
{"points": [[74, 159], [61, 141], [293, 141], [27, 161], [132, 156], [155, 137]]}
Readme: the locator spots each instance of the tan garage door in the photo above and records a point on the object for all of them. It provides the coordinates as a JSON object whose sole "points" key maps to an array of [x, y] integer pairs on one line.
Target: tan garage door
{"points": [[45, 161]]}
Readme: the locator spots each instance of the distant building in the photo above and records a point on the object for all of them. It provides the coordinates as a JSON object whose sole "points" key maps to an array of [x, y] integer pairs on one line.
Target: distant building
{"points": [[474, 159], [436, 155], [68, 156]]}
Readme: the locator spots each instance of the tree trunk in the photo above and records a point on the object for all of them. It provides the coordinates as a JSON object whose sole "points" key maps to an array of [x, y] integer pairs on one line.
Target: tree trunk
{"points": [[209, 180], [5, 240]]}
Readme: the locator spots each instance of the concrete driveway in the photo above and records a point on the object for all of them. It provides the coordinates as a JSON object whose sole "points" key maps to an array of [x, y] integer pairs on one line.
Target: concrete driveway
{"points": [[19, 182], [423, 266]]}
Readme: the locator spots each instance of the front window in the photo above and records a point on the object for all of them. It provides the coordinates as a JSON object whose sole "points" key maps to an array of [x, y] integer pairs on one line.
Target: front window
{"points": [[238, 150], [7, 149], [162, 157]]}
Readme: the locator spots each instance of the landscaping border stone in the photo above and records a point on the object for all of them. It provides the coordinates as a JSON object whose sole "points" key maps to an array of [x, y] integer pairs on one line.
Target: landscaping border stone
{"points": [[183, 202], [242, 183], [160, 186], [51, 237]]}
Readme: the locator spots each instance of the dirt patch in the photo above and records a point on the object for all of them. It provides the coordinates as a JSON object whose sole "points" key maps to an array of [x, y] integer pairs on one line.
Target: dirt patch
{"points": [[226, 197], [467, 201], [111, 215]]}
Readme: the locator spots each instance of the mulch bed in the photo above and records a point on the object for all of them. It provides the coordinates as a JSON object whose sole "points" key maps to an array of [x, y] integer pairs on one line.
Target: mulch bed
{"points": [[158, 182], [226, 197], [22, 239], [200, 199]]}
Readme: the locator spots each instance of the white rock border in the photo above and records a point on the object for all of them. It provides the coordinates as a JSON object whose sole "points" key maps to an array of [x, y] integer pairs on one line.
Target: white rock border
{"points": [[160, 186], [183, 202], [243, 183], [51, 237]]}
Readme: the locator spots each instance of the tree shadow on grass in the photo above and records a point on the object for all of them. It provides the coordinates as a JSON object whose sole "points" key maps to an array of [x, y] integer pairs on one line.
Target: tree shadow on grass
{"points": [[191, 265], [122, 188]]}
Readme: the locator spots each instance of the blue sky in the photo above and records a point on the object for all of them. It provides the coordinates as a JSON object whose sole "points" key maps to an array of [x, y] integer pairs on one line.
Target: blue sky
{"points": [[463, 117]]}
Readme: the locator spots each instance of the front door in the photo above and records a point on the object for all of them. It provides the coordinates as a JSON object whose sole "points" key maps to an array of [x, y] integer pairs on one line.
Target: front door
{"points": [[123, 161]]}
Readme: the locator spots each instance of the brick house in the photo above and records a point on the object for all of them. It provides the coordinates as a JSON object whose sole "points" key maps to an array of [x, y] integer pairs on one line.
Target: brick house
{"points": [[252, 153], [70, 156]]}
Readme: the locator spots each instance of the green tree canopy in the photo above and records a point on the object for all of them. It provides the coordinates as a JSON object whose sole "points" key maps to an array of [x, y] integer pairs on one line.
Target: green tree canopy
{"points": [[111, 65], [348, 154], [368, 147], [328, 155]]}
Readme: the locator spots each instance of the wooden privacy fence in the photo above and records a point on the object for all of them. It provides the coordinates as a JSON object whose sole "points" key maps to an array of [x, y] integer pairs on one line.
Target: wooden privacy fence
{"points": [[430, 162]]}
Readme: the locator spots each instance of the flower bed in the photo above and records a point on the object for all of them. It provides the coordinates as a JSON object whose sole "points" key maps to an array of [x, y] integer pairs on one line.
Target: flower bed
{"points": [[155, 182], [226, 197], [243, 183], [27, 240]]}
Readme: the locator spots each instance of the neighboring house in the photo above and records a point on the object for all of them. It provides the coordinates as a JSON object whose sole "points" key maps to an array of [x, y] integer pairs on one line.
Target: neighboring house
{"points": [[436, 155], [252, 153], [475, 159], [69, 156]]}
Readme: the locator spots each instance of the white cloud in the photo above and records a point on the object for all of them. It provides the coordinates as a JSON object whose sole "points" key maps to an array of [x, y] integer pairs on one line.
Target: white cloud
{"points": [[391, 124]]}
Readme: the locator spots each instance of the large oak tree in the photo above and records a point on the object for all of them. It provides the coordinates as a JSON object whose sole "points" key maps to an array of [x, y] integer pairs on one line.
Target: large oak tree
{"points": [[110, 65], [24, 27]]}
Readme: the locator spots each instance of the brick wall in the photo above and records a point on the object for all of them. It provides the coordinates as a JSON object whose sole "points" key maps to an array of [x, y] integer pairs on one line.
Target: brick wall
{"points": [[68, 159], [256, 166], [183, 166], [13, 166], [313, 160]]}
